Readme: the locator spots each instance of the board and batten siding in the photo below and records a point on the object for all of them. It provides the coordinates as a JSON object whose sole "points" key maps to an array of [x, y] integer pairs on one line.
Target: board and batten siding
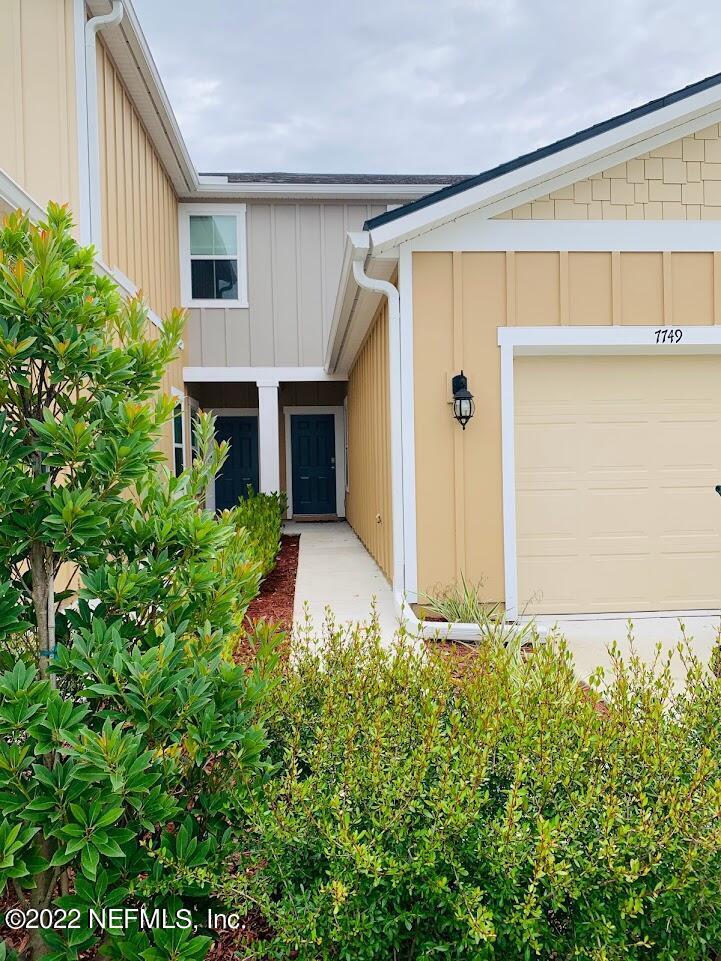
{"points": [[460, 299], [368, 500], [139, 206], [294, 263], [38, 146]]}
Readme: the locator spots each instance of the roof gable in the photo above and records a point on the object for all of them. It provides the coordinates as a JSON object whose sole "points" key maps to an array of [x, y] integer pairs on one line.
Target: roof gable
{"points": [[666, 119], [679, 181]]}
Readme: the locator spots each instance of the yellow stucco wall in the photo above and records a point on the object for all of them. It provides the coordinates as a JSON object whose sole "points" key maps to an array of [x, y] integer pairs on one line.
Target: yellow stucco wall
{"points": [[139, 206], [368, 501], [681, 181], [460, 299], [38, 146]]}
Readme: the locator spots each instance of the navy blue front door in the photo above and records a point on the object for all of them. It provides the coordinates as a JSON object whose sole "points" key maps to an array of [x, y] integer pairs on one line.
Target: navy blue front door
{"points": [[313, 450], [241, 467]]}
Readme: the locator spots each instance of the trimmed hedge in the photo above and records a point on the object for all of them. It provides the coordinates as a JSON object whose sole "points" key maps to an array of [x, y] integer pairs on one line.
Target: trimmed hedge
{"points": [[418, 816]]}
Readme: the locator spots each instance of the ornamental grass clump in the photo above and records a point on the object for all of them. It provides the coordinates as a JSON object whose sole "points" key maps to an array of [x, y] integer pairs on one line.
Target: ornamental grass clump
{"points": [[502, 815]]}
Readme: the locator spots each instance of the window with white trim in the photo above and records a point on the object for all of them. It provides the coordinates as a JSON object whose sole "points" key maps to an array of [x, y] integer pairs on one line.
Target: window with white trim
{"points": [[213, 256], [179, 435]]}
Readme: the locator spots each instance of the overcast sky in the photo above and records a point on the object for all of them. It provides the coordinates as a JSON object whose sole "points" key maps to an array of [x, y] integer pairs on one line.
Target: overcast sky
{"points": [[413, 86]]}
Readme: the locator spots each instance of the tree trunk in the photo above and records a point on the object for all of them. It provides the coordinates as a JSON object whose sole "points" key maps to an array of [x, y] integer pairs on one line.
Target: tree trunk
{"points": [[43, 603]]}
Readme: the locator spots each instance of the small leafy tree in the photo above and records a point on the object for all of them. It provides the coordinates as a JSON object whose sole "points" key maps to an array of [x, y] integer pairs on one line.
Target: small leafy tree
{"points": [[127, 735], [79, 415]]}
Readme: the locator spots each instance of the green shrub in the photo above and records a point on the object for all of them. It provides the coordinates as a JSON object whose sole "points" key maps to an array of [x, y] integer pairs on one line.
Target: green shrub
{"points": [[143, 749], [262, 517], [149, 760], [503, 816]]}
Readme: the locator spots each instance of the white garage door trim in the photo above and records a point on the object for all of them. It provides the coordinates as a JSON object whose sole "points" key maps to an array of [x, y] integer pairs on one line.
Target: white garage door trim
{"points": [[539, 341]]}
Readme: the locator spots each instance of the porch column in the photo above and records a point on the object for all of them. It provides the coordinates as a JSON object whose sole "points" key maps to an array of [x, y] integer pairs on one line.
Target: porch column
{"points": [[268, 436]]}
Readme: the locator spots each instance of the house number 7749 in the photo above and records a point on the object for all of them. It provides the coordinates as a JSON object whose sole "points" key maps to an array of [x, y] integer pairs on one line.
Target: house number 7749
{"points": [[669, 335]]}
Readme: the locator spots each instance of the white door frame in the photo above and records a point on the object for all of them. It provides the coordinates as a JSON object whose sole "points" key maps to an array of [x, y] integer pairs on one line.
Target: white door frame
{"points": [[544, 341], [228, 412], [339, 425]]}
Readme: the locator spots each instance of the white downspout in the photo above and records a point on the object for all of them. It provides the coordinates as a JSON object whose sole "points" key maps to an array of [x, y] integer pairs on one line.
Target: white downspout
{"points": [[390, 292], [92, 139]]}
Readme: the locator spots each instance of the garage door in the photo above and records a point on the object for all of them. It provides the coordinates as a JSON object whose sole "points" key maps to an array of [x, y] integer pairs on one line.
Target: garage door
{"points": [[616, 462]]}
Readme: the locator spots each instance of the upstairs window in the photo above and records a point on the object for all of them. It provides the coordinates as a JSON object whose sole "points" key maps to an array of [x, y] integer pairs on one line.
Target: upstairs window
{"points": [[212, 240]]}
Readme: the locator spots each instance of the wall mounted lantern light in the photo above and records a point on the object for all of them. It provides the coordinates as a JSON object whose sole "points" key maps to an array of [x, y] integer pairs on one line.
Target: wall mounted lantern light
{"points": [[463, 405]]}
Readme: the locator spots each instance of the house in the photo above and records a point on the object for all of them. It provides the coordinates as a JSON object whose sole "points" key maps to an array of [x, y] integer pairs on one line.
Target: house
{"points": [[577, 288]]}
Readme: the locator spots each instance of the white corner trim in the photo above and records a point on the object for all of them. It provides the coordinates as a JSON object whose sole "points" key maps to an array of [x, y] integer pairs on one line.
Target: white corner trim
{"points": [[408, 433], [508, 469], [338, 413], [237, 210], [543, 341], [256, 375]]}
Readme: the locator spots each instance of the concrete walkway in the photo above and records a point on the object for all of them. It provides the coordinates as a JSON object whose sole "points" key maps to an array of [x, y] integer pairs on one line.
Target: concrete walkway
{"points": [[590, 637], [335, 570]]}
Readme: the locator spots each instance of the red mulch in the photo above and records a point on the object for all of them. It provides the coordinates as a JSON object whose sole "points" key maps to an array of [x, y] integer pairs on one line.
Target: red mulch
{"points": [[276, 598], [229, 945], [277, 592]]}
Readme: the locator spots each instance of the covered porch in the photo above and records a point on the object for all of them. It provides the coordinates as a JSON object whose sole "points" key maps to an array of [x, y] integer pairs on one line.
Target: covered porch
{"points": [[285, 433]]}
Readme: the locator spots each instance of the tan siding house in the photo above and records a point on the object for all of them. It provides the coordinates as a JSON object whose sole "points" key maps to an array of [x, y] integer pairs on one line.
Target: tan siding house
{"points": [[369, 500], [38, 146], [577, 289]]}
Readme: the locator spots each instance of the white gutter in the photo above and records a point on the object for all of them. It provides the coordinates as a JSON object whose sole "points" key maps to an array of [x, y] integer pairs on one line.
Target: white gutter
{"points": [[220, 188], [91, 224], [390, 292]]}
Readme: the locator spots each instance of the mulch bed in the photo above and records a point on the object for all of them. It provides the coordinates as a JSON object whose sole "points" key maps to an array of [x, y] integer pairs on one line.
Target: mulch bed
{"points": [[276, 598], [277, 592]]}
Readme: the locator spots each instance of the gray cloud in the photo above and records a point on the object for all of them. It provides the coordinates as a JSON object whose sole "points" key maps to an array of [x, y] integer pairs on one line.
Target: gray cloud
{"points": [[413, 86]]}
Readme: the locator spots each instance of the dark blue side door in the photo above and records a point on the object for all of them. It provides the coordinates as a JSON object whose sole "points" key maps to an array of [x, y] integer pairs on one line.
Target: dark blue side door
{"points": [[241, 467], [313, 451]]}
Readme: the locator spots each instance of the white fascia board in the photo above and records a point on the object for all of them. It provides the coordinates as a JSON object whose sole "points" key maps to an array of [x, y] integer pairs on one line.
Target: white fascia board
{"points": [[132, 57], [127, 286], [219, 188], [474, 232], [560, 169], [16, 198], [258, 375], [356, 247], [355, 307]]}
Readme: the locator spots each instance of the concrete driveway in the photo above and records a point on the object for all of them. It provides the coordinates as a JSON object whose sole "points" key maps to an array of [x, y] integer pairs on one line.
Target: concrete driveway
{"points": [[589, 637]]}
